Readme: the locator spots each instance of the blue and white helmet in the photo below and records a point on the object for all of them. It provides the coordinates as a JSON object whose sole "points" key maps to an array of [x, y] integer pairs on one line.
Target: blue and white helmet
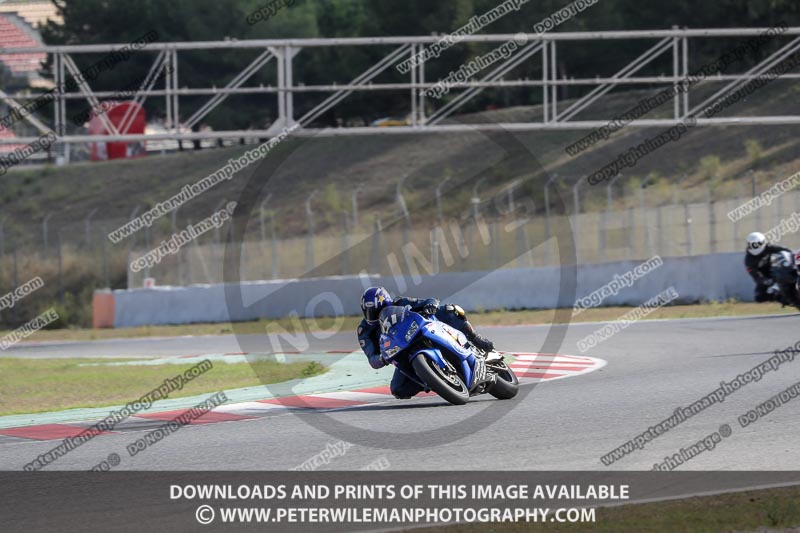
{"points": [[373, 301]]}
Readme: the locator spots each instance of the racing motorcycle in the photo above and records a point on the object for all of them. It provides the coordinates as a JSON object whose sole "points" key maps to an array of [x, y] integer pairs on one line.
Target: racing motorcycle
{"points": [[786, 281], [441, 359]]}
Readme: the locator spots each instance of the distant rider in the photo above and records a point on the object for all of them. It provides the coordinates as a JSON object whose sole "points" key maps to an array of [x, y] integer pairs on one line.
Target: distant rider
{"points": [[757, 262], [375, 299]]}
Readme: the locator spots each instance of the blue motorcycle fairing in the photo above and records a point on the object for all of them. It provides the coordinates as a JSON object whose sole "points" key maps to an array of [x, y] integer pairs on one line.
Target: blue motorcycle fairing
{"points": [[400, 326], [455, 342]]}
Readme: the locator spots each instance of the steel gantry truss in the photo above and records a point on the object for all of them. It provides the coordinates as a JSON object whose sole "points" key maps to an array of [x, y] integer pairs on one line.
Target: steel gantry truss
{"points": [[426, 115]]}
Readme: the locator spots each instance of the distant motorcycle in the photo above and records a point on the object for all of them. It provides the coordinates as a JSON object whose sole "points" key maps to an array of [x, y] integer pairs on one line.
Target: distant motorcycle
{"points": [[439, 358], [786, 278]]}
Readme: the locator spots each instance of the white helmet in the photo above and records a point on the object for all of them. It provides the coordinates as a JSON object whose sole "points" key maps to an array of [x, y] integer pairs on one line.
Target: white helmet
{"points": [[756, 242]]}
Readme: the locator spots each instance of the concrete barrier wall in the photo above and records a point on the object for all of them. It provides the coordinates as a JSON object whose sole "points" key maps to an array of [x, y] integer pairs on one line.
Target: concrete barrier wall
{"points": [[695, 278]]}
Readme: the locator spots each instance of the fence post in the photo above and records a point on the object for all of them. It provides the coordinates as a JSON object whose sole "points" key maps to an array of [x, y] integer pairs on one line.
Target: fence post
{"points": [[346, 245], [16, 271], [87, 222], [687, 221], [310, 233], [609, 210], [576, 231], [648, 232], [547, 229], [354, 204], [60, 271], [660, 222], [273, 246], [189, 267], [631, 233], [261, 213], [133, 214], [376, 245], [129, 271], [179, 259], [712, 220], [754, 191], [106, 276], [45, 233], [522, 244], [404, 207], [434, 251], [493, 246], [14, 310], [217, 231]]}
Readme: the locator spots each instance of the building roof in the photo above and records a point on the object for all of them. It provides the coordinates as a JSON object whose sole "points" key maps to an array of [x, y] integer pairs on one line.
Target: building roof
{"points": [[33, 12], [6, 133], [14, 36]]}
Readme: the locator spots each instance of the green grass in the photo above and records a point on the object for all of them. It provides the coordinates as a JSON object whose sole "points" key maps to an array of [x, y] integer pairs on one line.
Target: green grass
{"points": [[37, 385], [740, 511], [491, 318]]}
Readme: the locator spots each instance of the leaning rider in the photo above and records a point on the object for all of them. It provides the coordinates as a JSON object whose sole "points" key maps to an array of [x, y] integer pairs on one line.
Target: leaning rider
{"points": [[757, 262], [375, 299]]}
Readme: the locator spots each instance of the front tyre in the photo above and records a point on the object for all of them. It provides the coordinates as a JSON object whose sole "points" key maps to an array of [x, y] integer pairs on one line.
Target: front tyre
{"points": [[444, 382], [506, 384]]}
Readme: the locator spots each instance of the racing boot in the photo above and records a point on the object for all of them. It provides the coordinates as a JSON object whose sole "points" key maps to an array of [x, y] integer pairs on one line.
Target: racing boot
{"points": [[481, 342], [477, 340]]}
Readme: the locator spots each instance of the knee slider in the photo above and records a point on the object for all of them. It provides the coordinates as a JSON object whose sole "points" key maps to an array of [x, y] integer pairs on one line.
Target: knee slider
{"points": [[456, 310]]}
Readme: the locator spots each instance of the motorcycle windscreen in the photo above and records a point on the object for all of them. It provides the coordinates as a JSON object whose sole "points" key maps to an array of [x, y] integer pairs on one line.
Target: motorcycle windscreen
{"points": [[399, 325]]}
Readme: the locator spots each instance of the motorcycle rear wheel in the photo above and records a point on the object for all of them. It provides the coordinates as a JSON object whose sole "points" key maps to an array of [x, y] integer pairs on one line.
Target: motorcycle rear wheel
{"points": [[444, 382]]}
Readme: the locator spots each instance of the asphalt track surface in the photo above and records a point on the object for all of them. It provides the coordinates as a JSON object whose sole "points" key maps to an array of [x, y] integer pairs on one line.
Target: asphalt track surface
{"points": [[568, 424]]}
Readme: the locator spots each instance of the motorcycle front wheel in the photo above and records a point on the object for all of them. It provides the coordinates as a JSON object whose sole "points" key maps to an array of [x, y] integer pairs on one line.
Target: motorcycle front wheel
{"points": [[443, 381]]}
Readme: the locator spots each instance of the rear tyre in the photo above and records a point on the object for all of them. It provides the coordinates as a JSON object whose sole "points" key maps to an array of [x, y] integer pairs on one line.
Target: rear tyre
{"points": [[506, 384], [444, 382]]}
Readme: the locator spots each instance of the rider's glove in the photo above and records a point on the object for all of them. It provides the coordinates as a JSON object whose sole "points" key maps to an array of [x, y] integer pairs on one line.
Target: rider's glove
{"points": [[430, 306]]}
